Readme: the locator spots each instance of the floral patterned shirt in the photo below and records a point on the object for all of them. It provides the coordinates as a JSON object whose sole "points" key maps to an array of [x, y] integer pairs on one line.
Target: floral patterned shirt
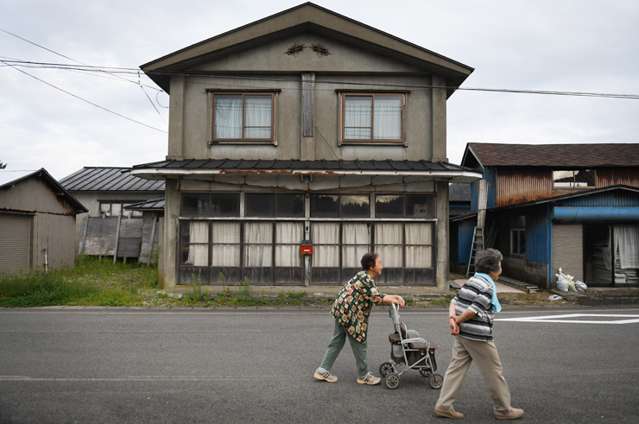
{"points": [[354, 303]]}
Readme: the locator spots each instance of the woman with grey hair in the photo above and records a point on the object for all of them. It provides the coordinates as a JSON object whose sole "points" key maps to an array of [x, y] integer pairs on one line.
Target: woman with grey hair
{"points": [[471, 315]]}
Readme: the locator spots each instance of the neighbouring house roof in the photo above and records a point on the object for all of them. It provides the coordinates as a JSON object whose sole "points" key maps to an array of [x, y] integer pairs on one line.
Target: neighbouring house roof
{"points": [[305, 17], [100, 178], [459, 192], [147, 205], [582, 193], [581, 155], [9, 179], [303, 167]]}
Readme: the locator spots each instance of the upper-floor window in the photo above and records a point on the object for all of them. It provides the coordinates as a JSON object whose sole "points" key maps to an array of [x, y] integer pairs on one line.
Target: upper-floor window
{"points": [[371, 117], [243, 117], [582, 178]]}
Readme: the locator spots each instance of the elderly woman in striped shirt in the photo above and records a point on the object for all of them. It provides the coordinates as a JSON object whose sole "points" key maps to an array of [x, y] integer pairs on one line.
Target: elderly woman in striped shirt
{"points": [[471, 322]]}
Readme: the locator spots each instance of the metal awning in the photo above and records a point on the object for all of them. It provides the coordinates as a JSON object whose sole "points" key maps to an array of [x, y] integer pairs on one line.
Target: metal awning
{"points": [[204, 167]]}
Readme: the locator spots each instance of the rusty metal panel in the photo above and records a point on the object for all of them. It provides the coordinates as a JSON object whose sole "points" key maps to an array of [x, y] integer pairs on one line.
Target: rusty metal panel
{"points": [[130, 238], [522, 185], [613, 176], [100, 236]]}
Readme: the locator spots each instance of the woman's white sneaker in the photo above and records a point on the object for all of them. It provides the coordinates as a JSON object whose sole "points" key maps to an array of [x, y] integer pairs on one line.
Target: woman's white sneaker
{"points": [[324, 376], [369, 379]]}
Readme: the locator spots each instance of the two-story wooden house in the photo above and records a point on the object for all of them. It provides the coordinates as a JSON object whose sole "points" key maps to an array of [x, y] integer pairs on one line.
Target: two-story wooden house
{"points": [[550, 206], [299, 142]]}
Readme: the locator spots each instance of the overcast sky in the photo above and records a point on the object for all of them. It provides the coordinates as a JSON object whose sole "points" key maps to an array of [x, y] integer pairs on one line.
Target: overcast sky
{"points": [[550, 45]]}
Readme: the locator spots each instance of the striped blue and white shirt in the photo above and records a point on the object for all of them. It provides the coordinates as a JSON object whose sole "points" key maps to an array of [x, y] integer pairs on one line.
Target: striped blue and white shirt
{"points": [[476, 295]]}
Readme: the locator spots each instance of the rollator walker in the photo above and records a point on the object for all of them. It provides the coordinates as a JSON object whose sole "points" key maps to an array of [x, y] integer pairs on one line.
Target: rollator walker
{"points": [[409, 351]]}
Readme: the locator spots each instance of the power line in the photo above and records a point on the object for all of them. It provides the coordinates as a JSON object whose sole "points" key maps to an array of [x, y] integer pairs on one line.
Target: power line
{"points": [[83, 99], [139, 83], [133, 71]]}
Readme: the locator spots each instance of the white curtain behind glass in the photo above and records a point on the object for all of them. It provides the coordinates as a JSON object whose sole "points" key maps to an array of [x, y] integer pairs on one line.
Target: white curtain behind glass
{"points": [[225, 255], [258, 116], [258, 255], [627, 244], [198, 254], [228, 116], [389, 234], [388, 118], [358, 235], [288, 232], [325, 256], [357, 117], [418, 256]]}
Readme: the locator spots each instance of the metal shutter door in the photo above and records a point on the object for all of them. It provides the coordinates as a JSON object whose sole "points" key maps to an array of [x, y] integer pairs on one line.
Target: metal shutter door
{"points": [[567, 250], [15, 243]]}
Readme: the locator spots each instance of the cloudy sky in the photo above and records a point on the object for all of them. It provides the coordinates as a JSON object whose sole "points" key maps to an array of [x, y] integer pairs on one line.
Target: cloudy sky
{"points": [[549, 45]]}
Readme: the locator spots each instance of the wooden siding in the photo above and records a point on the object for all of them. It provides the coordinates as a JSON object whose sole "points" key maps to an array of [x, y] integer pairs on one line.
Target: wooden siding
{"points": [[612, 176], [520, 185]]}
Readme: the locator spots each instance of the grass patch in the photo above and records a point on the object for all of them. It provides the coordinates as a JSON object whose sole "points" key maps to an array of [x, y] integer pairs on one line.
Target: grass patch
{"points": [[91, 282]]}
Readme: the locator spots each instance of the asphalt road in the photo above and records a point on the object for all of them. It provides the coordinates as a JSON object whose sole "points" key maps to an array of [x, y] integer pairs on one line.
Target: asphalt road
{"points": [[219, 367]]}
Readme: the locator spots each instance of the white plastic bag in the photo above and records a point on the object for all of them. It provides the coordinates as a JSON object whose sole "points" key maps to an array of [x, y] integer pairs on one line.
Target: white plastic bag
{"points": [[581, 286]]}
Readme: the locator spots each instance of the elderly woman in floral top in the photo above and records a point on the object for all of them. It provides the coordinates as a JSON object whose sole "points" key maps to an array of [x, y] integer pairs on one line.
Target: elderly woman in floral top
{"points": [[351, 310]]}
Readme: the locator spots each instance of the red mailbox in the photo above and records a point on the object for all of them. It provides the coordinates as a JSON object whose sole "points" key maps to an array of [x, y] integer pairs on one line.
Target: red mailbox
{"points": [[306, 248]]}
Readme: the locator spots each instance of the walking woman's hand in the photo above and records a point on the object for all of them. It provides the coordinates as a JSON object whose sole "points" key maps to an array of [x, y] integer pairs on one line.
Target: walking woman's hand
{"points": [[454, 327]]}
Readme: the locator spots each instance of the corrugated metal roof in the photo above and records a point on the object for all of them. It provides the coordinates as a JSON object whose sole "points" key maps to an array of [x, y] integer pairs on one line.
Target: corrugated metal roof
{"points": [[583, 155], [147, 205], [92, 178], [310, 165]]}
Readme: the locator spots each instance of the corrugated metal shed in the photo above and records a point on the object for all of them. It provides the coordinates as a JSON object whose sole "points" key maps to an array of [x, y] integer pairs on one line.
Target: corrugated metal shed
{"points": [[92, 178], [9, 179]]}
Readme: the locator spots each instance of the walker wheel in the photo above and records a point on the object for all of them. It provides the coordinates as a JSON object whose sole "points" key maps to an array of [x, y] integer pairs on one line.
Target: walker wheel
{"points": [[425, 372], [436, 381], [392, 381], [385, 369]]}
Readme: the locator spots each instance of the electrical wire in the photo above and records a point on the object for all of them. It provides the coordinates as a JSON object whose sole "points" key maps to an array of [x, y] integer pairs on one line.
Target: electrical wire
{"points": [[139, 83], [135, 71], [106, 109]]}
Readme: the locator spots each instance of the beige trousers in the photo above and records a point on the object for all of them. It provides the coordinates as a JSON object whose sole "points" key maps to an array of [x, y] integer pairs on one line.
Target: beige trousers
{"points": [[485, 355]]}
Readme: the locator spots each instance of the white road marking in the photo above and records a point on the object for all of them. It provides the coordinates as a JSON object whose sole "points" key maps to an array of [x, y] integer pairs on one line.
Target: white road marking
{"points": [[629, 319], [136, 378]]}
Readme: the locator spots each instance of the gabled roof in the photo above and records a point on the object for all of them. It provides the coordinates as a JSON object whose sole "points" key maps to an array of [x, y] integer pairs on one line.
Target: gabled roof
{"points": [[53, 184], [581, 155], [305, 17], [303, 167], [96, 178]]}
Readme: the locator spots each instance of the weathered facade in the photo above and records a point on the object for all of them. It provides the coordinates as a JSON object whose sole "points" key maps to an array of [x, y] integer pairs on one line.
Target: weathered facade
{"points": [[552, 206], [305, 127], [37, 223], [106, 192]]}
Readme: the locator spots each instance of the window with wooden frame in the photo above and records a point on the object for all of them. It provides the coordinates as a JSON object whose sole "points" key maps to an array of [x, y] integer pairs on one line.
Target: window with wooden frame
{"points": [[243, 117], [371, 117], [117, 208]]}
